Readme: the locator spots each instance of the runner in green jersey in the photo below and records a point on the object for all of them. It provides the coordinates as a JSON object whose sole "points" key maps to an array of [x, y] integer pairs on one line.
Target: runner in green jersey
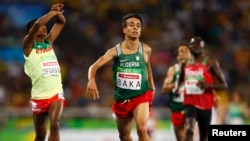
{"points": [[134, 86], [176, 100]]}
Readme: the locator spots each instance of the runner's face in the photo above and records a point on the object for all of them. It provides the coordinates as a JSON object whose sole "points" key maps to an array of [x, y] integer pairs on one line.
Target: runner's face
{"points": [[183, 53], [196, 46], [42, 31], [133, 28]]}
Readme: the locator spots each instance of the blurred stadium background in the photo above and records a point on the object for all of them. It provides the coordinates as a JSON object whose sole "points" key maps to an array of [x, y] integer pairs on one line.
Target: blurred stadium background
{"points": [[92, 27]]}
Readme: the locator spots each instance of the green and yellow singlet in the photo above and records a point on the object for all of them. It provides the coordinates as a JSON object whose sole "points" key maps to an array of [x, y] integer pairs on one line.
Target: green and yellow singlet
{"points": [[44, 71]]}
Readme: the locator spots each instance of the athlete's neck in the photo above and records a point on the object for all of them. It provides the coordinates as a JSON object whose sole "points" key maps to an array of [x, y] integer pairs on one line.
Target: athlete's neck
{"points": [[131, 44], [199, 58], [40, 39]]}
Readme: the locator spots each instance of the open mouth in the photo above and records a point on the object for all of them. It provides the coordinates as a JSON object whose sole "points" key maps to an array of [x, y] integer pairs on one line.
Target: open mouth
{"points": [[135, 32]]}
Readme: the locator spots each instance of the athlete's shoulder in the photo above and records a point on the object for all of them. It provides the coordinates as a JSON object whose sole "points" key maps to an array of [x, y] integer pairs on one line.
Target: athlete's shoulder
{"points": [[174, 65], [211, 60], [171, 69], [112, 51], [145, 45], [147, 48]]}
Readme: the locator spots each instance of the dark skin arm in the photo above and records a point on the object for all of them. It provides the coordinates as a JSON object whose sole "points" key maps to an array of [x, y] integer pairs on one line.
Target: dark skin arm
{"points": [[29, 39], [60, 22], [214, 67], [37, 33], [220, 82]]}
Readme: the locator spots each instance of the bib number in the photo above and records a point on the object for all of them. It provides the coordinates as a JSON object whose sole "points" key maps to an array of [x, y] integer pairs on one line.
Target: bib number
{"points": [[50, 67], [130, 81], [192, 88]]}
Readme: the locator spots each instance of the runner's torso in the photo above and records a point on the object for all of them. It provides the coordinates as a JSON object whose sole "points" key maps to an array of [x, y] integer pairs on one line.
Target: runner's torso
{"points": [[130, 74], [176, 100], [44, 71], [201, 98]]}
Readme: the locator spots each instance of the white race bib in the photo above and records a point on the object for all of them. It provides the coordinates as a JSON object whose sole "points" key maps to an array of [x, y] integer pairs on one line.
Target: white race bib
{"points": [[130, 81], [50, 67], [192, 88]]}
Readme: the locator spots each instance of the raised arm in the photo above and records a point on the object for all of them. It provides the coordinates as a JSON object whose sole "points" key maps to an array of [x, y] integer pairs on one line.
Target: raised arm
{"points": [[29, 39], [59, 24]]}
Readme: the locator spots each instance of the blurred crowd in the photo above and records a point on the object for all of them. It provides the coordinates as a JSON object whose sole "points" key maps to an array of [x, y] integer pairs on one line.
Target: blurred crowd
{"points": [[93, 26]]}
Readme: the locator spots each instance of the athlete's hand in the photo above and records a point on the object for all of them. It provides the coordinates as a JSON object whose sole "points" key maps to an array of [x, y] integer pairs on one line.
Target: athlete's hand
{"points": [[175, 90], [183, 64], [201, 84], [92, 90], [58, 8]]}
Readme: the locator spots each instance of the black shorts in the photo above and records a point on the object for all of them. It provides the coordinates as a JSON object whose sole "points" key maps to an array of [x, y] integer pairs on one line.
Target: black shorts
{"points": [[203, 118], [192, 111]]}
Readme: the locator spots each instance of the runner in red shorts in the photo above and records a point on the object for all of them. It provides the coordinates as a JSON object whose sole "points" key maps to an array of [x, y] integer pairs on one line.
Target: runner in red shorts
{"points": [[134, 86], [42, 67], [176, 100]]}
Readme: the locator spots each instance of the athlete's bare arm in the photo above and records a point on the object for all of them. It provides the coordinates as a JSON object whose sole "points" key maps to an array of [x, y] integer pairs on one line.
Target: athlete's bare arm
{"points": [[147, 54], [218, 75], [29, 39], [168, 83], [91, 86], [220, 82], [181, 80], [60, 22]]}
